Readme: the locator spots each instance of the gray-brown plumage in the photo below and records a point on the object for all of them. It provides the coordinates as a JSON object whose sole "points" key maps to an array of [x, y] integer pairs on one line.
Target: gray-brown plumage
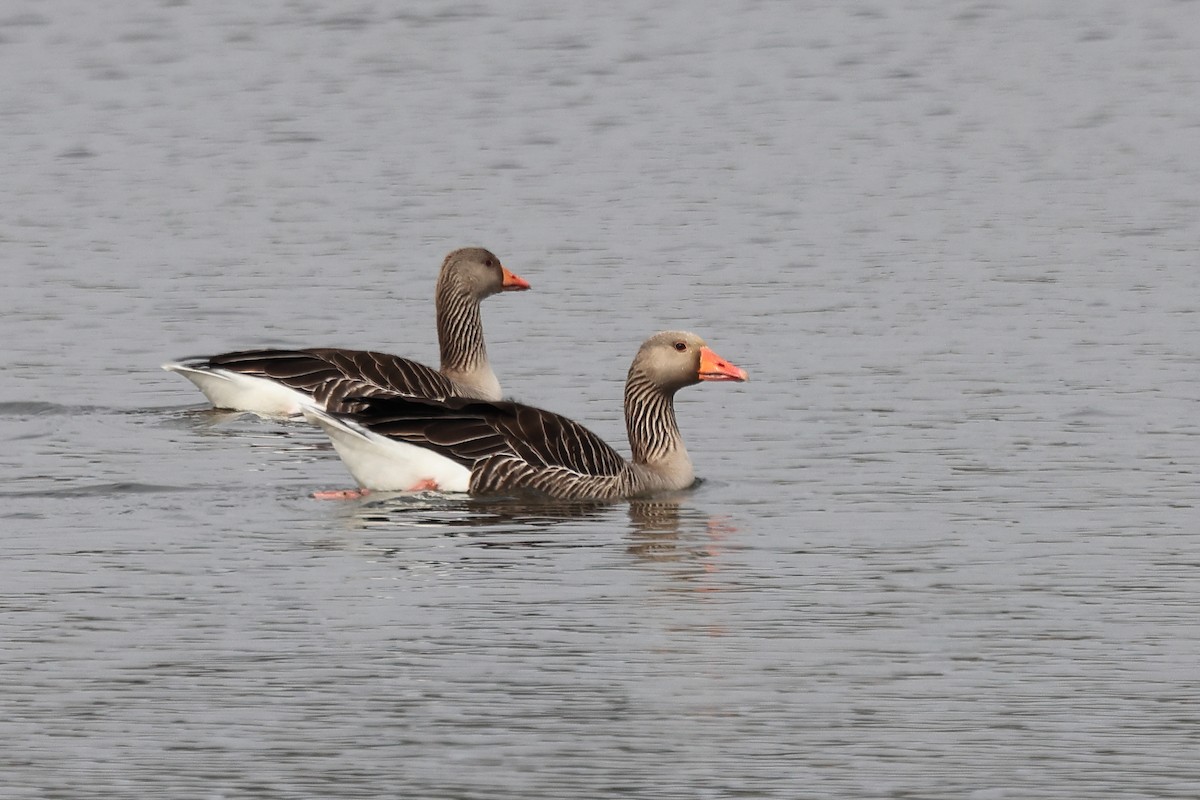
{"points": [[290, 379], [510, 447]]}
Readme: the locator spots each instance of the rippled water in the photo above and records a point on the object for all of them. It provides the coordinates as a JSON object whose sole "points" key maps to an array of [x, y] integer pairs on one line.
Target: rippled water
{"points": [[947, 541]]}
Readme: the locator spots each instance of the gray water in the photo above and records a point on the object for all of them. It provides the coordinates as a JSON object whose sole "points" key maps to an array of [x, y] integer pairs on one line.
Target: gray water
{"points": [[946, 545]]}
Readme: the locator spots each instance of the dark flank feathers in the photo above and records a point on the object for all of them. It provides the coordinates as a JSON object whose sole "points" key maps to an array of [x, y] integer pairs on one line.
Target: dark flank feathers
{"points": [[332, 375]]}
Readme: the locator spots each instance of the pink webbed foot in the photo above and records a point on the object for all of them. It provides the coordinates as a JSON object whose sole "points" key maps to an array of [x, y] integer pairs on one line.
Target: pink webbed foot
{"points": [[424, 485], [341, 494]]}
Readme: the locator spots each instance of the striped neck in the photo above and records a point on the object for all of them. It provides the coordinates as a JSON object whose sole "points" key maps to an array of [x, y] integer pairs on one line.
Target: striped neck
{"points": [[460, 337], [654, 435]]}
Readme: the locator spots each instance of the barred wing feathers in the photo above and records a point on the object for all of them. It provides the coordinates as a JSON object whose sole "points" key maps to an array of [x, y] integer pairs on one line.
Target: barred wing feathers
{"points": [[332, 375], [469, 431]]}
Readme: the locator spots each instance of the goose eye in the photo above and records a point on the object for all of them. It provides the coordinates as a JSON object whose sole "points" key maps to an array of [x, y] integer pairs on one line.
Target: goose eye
{"points": [[681, 346], [488, 263]]}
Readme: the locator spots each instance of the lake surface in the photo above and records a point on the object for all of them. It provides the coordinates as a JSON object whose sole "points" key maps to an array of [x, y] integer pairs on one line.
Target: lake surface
{"points": [[947, 543]]}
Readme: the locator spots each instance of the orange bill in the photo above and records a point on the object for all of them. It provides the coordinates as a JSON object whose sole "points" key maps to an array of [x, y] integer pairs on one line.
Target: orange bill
{"points": [[512, 282], [715, 368]]}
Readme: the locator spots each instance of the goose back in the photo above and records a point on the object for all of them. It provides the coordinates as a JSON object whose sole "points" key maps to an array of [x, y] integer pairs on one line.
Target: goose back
{"points": [[282, 381]]}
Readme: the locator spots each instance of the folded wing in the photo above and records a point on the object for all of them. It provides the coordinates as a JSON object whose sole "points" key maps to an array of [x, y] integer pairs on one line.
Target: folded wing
{"points": [[469, 431]]}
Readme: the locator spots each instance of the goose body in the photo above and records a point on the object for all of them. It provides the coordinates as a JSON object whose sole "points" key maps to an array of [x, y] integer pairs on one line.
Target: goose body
{"points": [[282, 382], [389, 443]]}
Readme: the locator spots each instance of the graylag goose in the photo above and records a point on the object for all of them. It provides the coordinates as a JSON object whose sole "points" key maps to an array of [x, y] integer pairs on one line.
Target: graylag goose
{"points": [[462, 445], [283, 382]]}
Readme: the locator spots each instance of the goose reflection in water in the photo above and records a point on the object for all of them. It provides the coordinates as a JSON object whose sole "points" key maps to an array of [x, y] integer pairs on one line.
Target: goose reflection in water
{"points": [[662, 530], [460, 514]]}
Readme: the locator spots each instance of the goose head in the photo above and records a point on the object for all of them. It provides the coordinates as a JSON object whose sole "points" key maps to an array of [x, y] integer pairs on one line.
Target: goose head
{"points": [[674, 359], [477, 272]]}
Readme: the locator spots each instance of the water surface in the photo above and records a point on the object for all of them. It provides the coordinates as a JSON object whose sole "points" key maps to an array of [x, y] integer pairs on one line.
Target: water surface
{"points": [[946, 542]]}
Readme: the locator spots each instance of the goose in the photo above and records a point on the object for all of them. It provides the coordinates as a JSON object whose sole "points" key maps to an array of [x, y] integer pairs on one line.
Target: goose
{"points": [[283, 382], [482, 447]]}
